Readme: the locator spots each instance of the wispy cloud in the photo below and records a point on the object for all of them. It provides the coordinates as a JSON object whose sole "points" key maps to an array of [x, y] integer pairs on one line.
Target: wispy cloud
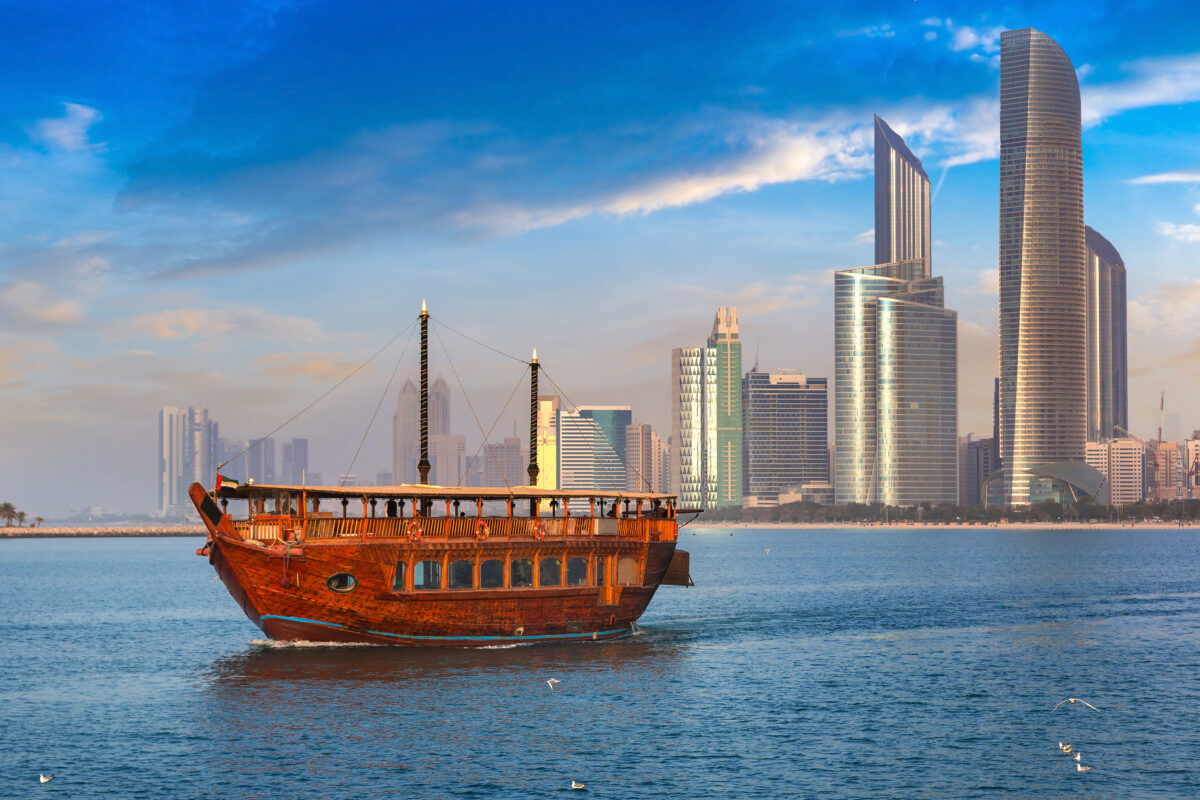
{"points": [[68, 132], [1186, 176], [1182, 232], [1151, 82], [24, 302], [188, 323]]}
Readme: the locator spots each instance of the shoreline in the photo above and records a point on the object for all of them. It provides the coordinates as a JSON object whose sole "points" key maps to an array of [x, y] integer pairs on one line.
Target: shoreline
{"points": [[100, 531], [933, 526]]}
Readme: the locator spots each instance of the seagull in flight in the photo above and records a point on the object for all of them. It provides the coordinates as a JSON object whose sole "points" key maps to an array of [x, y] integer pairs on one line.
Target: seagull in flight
{"points": [[551, 683], [1081, 768], [44, 778], [1073, 701], [576, 785]]}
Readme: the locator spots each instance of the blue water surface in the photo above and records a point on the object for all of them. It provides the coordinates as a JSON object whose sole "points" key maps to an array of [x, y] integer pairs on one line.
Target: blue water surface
{"points": [[840, 664]]}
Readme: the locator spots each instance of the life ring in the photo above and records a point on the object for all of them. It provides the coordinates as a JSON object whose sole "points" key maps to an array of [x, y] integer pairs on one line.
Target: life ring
{"points": [[539, 532], [414, 530], [482, 531]]}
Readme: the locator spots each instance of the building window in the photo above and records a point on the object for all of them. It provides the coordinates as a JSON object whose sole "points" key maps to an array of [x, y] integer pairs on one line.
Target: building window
{"points": [[521, 573], [461, 575], [398, 580], [577, 572], [427, 575], [491, 574], [627, 572], [342, 582], [550, 572]]}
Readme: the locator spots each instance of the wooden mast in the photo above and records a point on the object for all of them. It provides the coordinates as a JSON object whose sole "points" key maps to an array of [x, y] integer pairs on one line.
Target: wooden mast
{"points": [[533, 420], [423, 465]]}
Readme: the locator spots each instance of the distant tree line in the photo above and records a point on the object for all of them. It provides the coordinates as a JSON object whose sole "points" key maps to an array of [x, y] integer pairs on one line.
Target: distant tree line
{"points": [[9, 512], [1083, 511]]}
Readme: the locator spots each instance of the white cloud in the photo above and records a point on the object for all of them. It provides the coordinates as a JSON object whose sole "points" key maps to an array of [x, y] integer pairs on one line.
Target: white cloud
{"points": [[883, 31], [933, 22], [25, 301], [68, 132], [930, 35], [965, 37], [865, 236], [1192, 176], [187, 323], [1169, 309], [1185, 232], [1153, 82]]}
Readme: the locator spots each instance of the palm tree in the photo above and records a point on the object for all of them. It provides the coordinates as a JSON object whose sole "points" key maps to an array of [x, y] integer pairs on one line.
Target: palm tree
{"points": [[8, 512], [20, 519], [37, 521]]}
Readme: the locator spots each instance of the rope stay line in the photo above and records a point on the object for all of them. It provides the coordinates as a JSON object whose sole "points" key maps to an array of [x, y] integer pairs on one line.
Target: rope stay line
{"points": [[379, 405], [641, 479], [474, 415], [328, 392], [481, 344]]}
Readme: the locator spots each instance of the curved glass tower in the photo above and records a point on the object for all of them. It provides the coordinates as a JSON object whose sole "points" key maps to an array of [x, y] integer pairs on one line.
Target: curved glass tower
{"points": [[1043, 276], [901, 200], [1107, 362]]}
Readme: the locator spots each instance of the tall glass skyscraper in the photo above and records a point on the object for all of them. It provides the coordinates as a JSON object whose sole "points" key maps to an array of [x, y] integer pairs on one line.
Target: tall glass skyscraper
{"points": [[727, 346], [1107, 360], [1043, 275], [895, 352], [786, 432], [591, 447]]}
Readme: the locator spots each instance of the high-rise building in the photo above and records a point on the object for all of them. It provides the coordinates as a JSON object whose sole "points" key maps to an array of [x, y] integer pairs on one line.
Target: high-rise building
{"points": [[547, 441], [294, 469], [1043, 273], [261, 460], [693, 426], [643, 459], [895, 353], [786, 433], [902, 221], [1107, 360], [591, 447], [448, 460], [406, 426], [977, 461], [1123, 464], [706, 417], [500, 464], [189, 449]]}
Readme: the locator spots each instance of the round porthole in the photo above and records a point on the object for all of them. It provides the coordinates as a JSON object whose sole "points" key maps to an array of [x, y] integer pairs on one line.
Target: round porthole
{"points": [[342, 582]]}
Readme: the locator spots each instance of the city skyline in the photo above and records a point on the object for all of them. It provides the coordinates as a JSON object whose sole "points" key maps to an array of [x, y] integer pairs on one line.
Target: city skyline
{"points": [[184, 235]]}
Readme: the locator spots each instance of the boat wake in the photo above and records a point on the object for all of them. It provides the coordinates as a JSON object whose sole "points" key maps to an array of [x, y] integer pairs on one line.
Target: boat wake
{"points": [[301, 643]]}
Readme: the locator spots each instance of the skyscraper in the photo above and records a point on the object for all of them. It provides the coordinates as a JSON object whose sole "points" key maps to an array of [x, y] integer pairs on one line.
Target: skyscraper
{"points": [[189, 449], [727, 346], [294, 469], [786, 437], [261, 460], [902, 225], [591, 447], [1043, 274], [406, 426], [895, 353], [547, 441], [643, 459], [1107, 360]]}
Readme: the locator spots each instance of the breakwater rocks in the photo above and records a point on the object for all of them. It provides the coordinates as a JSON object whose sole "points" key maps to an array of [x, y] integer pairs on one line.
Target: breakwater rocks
{"points": [[92, 531]]}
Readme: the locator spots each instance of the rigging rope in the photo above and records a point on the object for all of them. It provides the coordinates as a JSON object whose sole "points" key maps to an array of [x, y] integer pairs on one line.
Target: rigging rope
{"points": [[378, 406], [330, 391]]}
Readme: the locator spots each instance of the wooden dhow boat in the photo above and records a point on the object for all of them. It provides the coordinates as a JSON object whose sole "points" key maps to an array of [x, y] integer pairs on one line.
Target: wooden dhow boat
{"points": [[425, 565]]}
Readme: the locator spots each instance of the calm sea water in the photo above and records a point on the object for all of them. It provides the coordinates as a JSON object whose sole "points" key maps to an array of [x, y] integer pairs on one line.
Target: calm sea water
{"points": [[839, 664]]}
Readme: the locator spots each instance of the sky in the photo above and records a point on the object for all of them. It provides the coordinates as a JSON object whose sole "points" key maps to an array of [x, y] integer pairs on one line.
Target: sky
{"points": [[234, 205]]}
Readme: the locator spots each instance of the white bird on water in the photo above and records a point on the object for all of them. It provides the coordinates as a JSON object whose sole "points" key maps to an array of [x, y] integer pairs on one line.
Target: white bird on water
{"points": [[1081, 768], [1066, 748], [1076, 756], [44, 778], [551, 682], [1073, 701], [576, 785]]}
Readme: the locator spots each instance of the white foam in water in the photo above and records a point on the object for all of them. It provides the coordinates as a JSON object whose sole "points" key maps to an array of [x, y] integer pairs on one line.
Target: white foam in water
{"points": [[302, 643]]}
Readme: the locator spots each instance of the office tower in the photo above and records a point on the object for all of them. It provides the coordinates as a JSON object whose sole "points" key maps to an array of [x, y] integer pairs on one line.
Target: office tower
{"points": [[383, 478], [260, 461], [725, 342], [895, 357], [172, 478], [591, 447], [1169, 471], [1043, 274], [1192, 465], [902, 222], [976, 464], [448, 460], [294, 469], [406, 426], [501, 464], [643, 459], [547, 441], [1107, 361], [1123, 464], [202, 446], [786, 433], [693, 426]]}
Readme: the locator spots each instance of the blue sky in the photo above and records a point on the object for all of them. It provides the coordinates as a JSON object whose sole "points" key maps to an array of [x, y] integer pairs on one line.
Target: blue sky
{"points": [[232, 205]]}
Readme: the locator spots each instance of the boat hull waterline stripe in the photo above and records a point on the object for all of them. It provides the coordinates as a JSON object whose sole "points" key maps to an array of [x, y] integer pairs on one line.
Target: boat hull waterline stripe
{"points": [[454, 638]]}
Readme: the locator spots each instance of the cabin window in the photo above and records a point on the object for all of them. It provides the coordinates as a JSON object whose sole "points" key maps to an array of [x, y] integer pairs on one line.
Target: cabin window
{"points": [[627, 572], [427, 575], [398, 580], [342, 582], [602, 570], [491, 574], [521, 572], [550, 572], [577, 572], [462, 575]]}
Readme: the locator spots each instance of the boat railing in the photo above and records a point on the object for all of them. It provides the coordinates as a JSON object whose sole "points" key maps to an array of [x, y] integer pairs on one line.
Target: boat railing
{"points": [[283, 528]]}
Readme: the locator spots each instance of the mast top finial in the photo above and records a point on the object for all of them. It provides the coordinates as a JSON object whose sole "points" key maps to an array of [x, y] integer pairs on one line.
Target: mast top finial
{"points": [[535, 355], [424, 310]]}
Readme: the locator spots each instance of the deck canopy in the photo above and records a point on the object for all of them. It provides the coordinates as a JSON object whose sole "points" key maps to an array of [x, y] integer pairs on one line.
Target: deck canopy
{"points": [[246, 491]]}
